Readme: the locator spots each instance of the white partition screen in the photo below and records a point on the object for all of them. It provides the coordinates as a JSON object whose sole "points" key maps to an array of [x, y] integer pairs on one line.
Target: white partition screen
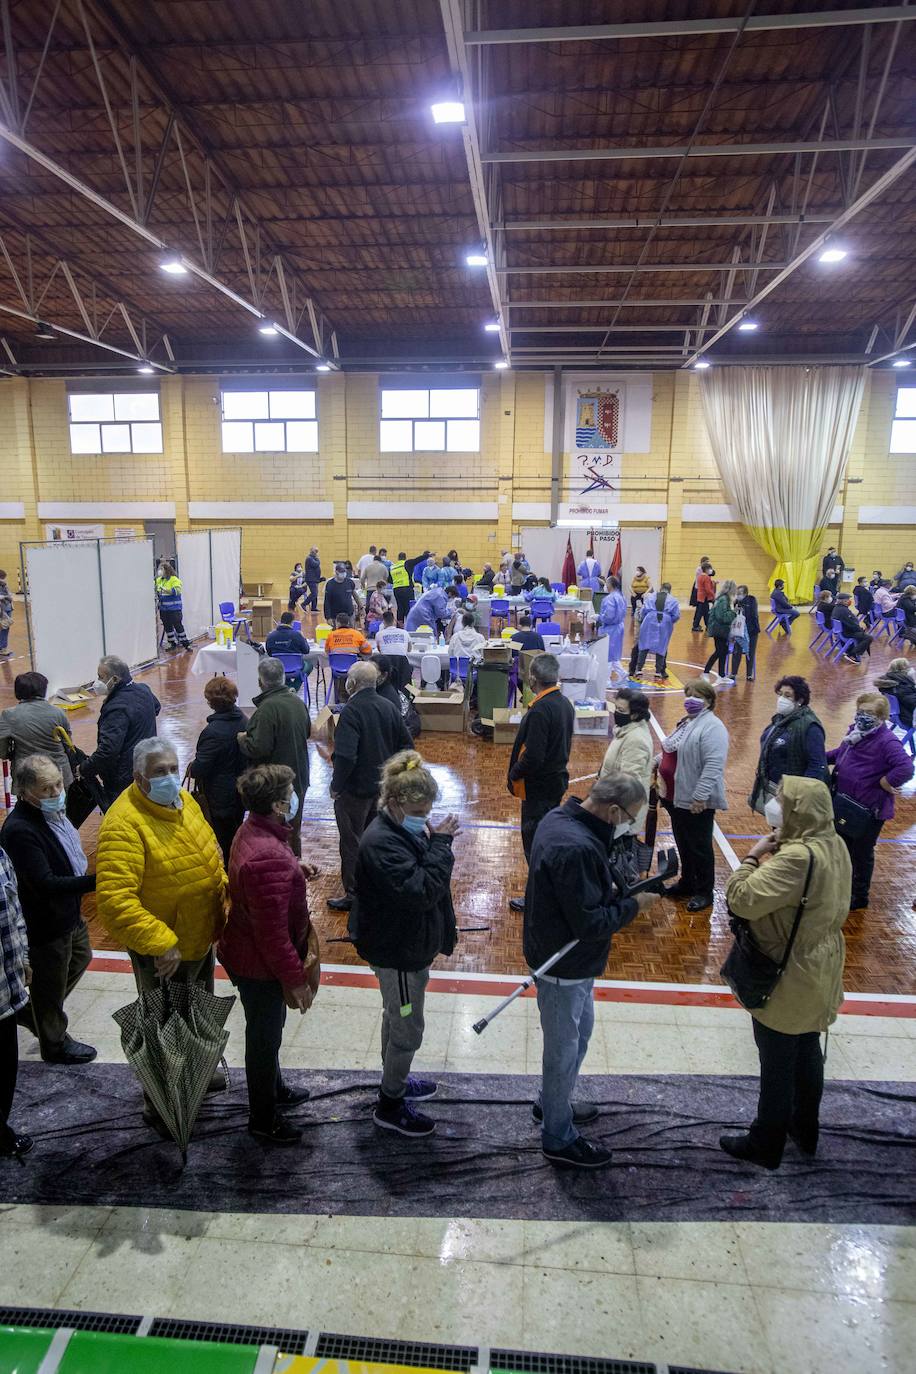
{"points": [[129, 600], [226, 564], [66, 643], [209, 565]]}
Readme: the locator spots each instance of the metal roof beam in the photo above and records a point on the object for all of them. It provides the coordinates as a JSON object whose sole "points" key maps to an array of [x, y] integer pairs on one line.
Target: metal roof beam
{"points": [[597, 328], [664, 222], [671, 28], [700, 150], [584, 271], [633, 303]]}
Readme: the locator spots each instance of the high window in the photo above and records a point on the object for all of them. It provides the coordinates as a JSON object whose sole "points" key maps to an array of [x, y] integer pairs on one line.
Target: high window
{"points": [[903, 430], [114, 422], [269, 421], [429, 421]]}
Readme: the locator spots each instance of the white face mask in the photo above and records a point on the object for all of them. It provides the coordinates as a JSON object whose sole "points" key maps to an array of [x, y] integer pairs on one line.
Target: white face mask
{"points": [[784, 705], [622, 829], [773, 812], [100, 688]]}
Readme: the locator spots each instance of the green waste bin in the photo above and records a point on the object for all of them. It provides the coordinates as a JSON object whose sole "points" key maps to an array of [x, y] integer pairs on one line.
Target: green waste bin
{"points": [[22, 1349], [96, 1352]]}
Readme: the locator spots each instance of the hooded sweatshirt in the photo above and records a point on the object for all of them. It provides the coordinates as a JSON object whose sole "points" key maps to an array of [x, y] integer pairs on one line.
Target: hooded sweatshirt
{"points": [[810, 992]]}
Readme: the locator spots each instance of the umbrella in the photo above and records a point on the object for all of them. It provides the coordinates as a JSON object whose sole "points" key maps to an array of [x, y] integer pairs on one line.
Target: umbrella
{"points": [[652, 819], [83, 794], [174, 1036]]}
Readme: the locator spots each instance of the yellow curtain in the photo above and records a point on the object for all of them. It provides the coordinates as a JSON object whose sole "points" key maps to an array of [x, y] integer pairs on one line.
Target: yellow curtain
{"points": [[797, 558]]}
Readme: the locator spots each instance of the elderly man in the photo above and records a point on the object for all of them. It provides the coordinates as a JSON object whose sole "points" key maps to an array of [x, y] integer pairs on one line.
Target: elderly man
{"points": [[369, 730], [53, 874], [278, 732], [128, 715], [161, 888], [574, 894]]}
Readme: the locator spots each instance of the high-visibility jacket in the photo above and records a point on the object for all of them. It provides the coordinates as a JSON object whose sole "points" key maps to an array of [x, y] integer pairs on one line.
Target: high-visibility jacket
{"points": [[168, 590], [399, 574]]}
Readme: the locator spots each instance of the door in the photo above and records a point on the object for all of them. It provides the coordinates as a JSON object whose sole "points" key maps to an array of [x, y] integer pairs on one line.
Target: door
{"points": [[162, 533]]}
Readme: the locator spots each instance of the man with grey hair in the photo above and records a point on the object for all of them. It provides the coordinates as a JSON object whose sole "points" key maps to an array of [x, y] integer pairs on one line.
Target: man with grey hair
{"points": [[575, 894], [128, 715], [278, 732], [160, 885], [369, 730], [538, 765]]}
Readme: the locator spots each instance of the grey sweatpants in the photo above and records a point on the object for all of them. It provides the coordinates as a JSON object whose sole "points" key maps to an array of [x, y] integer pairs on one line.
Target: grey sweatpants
{"points": [[402, 1036]]}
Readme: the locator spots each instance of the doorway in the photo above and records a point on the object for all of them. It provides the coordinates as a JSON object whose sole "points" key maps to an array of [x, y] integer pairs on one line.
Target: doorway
{"points": [[162, 533]]}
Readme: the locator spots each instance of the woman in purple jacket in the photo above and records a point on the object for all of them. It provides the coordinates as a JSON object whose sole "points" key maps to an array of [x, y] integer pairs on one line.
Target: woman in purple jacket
{"points": [[871, 764]]}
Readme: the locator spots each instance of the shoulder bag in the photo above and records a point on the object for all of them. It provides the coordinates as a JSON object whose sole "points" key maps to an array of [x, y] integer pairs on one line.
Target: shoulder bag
{"points": [[850, 818], [752, 975]]}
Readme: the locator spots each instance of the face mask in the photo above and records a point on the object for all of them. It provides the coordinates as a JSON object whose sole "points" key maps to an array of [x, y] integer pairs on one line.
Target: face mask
{"points": [[54, 804], [865, 721], [100, 688], [784, 705], [693, 706], [414, 825], [773, 812], [621, 829], [289, 815], [621, 719], [164, 791]]}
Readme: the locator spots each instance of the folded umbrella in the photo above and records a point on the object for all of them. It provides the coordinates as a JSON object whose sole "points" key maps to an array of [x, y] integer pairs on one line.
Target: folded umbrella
{"points": [[174, 1036], [83, 794]]}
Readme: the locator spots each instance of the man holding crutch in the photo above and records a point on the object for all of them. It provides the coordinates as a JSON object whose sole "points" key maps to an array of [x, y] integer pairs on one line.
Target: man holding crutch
{"points": [[573, 894]]}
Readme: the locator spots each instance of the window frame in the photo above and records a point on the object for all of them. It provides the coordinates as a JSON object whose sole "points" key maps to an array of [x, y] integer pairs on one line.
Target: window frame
{"points": [[98, 449], [426, 420], [253, 421], [903, 422]]}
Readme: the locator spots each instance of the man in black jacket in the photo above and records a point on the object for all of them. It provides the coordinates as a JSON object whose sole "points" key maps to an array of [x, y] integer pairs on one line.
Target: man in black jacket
{"points": [[844, 622], [368, 731], [538, 772], [51, 871], [338, 595], [128, 715], [832, 561], [312, 578], [574, 894]]}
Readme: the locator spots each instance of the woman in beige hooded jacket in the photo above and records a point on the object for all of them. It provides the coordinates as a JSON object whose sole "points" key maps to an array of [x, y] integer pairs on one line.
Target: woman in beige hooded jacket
{"points": [[807, 998]]}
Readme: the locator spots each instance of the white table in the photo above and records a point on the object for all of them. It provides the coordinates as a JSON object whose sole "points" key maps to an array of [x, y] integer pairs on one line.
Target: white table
{"points": [[234, 660]]}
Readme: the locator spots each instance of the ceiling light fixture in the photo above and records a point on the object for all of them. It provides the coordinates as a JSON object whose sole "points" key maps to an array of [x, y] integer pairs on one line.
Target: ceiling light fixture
{"points": [[501, 365], [146, 370], [476, 259], [701, 364], [268, 329], [44, 331], [492, 326], [448, 112], [748, 326], [831, 255], [902, 362], [322, 367], [174, 266]]}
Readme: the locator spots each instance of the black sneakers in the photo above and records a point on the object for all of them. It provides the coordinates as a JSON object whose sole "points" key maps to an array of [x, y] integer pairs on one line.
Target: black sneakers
{"points": [[15, 1146], [583, 1113], [400, 1115], [280, 1133], [340, 903], [71, 1052], [292, 1097], [581, 1154], [419, 1089], [743, 1148]]}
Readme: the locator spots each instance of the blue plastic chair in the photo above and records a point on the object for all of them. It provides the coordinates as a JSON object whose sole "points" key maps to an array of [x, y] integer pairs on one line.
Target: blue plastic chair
{"points": [[886, 624], [340, 664], [824, 633], [559, 588], [550, 627], [900, 622], [294, 666], [781, 620], [372, 628], [541, 609], [237, 620], [840, 644], [459, 667], [499, 610], [909, 735]]}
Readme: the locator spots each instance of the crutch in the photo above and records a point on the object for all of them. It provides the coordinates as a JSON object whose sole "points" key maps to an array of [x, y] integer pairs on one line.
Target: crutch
{"points": [[667, 868]]}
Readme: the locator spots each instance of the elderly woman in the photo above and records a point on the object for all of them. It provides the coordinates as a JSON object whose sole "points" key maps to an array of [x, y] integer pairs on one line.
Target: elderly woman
{"points": [[871, 764], [898, 681], [30, 726], [630, 750], [793, 743], [219, 762], [402, 918], [265, 942], [700, 742], [805, 860]]}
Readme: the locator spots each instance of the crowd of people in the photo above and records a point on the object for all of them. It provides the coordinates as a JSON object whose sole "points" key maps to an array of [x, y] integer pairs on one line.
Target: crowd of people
{"points": [[214, 866]]}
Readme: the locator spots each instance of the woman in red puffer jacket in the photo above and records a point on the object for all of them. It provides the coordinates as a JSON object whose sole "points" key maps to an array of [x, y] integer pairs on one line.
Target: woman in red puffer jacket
{"points": [[265, 941]]}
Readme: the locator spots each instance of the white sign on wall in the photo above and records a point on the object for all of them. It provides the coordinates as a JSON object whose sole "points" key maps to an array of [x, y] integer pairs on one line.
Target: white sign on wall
{"points": [[64, 534], [605, 416]]}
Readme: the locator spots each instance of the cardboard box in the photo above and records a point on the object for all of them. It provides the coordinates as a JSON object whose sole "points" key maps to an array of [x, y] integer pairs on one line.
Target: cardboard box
{"points": [[576, 631], [506, 720], [323, 726], [590, 721], [262, 618], [442, 712], [497, 652]]}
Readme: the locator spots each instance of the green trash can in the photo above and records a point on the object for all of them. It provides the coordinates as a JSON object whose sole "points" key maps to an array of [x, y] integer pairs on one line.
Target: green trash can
{"points": [[492, 689], [100, 1352], [22, 1348]]}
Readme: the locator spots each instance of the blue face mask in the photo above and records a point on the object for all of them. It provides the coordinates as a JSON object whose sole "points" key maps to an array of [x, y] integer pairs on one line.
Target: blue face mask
{"points": [[414, 825], [164, 791], [54, 804], [289, 815]]}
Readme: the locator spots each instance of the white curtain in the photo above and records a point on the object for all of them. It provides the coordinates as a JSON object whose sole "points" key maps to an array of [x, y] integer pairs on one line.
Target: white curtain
{"points": [[781, 438]]}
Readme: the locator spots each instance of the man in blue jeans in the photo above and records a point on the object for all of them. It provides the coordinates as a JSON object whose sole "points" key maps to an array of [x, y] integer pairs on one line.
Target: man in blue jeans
{"points": [[573, 893]]}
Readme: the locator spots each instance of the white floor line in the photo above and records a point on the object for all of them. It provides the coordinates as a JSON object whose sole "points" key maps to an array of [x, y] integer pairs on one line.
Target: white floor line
{"points": [[728, 854]]}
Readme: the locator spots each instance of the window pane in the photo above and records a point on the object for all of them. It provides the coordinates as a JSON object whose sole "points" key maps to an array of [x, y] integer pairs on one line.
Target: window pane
{"points": [[147, 438], [292, 405], [464, 436], [91, 406], [461, 403], [906, 403], [429, 436], [398, 405], [395, 436], [116, 438], [245, 405], [903, 436], [85, 439], [136, 405], [237, 438], [302, 436], [270, 438]]}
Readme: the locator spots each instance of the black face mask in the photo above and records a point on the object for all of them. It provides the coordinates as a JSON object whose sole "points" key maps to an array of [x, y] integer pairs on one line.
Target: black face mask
{"points": [[621, 719]]}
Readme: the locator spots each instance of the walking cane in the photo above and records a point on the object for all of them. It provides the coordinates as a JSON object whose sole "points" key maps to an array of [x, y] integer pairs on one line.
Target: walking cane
{"points": [[667, 868]]}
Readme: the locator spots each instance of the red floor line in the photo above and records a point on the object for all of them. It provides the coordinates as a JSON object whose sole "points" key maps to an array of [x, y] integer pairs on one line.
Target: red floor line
{"points": [[660, 997]]}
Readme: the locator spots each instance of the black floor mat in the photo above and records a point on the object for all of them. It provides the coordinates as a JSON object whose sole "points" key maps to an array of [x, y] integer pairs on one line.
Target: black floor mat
{"points": [[484, 1161]]}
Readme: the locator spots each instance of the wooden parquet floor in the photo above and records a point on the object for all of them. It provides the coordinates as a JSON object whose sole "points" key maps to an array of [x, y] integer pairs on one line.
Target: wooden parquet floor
{"points": [[666, 945]]}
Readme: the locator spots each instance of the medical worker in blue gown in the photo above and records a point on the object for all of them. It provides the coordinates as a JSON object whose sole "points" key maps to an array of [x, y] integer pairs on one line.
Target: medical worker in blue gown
{"points": [[658, 616], [611, 620]]}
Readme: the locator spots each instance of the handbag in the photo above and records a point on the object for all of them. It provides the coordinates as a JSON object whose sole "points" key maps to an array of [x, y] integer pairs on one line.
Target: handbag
{"points": [[193, 786], [738, 627], [850, 817], [752, 975], [311, 966]]}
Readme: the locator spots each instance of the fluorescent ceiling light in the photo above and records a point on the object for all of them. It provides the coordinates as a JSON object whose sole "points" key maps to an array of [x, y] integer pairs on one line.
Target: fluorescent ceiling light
{"points": [[748, 326], [44, 331], [174, 266], [448, 112], [146, 369], [476, 259], [701, 363], [501, 364], [833, 255], [269, 329], [322, 367], [492, 326], [902, 362]]}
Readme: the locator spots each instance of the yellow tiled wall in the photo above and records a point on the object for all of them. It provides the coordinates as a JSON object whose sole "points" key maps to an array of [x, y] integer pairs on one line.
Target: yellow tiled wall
{"points": [[36, 466]]}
